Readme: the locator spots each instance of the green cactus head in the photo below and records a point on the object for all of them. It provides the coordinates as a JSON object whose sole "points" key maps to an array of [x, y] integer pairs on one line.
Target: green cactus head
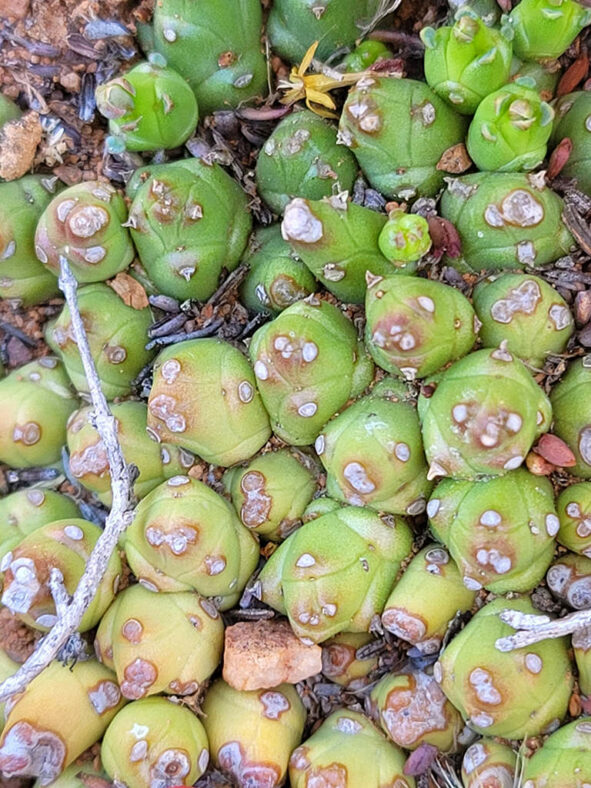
{"points": [[116, 333], [36, 401], [510, 130], [155, 742], [546, 28], [398, 130], [253, 733], [187, 537], [306, 363], [506, 220], [158, 642], [149, 108], [277, 277], [467, 61], [301, 158], [347, 749], [63, 545], [374, 457], [563, 758], [500, 531], [526, 313], [412, 710], [571, 405], [489, 760], [204, 398], [324, 593], [474, 426], [416, 326], [24, 511], [23, 279], [573, 506], [188, 220], [84, 225]]}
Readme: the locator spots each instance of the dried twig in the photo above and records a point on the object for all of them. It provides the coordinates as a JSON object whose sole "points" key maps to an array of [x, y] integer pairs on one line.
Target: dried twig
{"points": [[532, 629], [71, 610]]}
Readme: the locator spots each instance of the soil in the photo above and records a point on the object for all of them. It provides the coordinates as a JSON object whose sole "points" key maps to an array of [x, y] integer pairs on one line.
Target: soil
{"points": [[52, 55]]}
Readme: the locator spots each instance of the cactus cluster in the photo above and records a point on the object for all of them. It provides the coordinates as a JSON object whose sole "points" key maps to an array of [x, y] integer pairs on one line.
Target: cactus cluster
{"points": [[339, 313]]}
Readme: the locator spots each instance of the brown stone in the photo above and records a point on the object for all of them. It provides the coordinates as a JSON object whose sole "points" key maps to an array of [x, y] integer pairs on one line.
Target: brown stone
{"points": [[264, 654], [15, 9], [18, 145]]}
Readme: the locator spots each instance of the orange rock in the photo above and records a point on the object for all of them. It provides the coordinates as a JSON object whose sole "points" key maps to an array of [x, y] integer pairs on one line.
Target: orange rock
{"points": [[263, 654]]}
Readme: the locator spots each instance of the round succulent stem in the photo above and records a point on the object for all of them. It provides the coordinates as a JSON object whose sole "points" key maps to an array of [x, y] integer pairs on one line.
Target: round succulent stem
{"points": [[120, 516]]}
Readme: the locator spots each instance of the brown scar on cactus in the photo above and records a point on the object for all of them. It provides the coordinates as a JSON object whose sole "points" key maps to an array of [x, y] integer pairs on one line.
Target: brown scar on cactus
{"points": [[72, 610]]}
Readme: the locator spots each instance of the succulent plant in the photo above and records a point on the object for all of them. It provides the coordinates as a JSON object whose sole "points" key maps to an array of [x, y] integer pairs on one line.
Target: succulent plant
{"points": [[294, 25], [253, 733], [466, 61], [398, 130], [510, 130], [546, 28], [153, 742], [307, 363], [84, 224], [573, 120], [8, 110], [25, 510], [511, 694], [526, 313], [571, 406], [116, 334], [204, 398], [23, 279], [486, 761], [412, 710], [573, 506], [188, 220], [271, 493], [563, 760], [150, 107], [569, 579], [542, 76], [8, 667], [347, 749], [64, 545], [319, 506], [416, 326], [216, 46], [301, 158], [365, 54], [324, 592], [35, 401], [500, 531], [158, 642], [487, 10], [88, 455], [341, 662], [338, 241], [373, 453], [186, 537], [404, 239], [483, 417], [277, 277], [581, 641], [506, 220], [40, 739], [78, 774], [426, 598]]}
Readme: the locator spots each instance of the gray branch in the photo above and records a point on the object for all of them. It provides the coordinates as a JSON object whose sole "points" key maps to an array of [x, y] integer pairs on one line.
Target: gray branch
{"points": [[71, 610], [532, 629]]}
